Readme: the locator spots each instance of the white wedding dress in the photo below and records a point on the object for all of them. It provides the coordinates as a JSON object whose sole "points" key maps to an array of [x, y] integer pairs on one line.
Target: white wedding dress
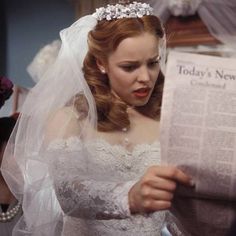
{"points": [[98, 205]]}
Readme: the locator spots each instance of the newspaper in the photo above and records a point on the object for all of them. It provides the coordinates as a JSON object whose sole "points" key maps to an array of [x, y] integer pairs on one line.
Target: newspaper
{"points": [[198, 135]]}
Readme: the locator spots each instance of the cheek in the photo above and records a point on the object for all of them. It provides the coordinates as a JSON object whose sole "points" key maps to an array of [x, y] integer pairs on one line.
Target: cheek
{"points": [[154, 75], [119, 85], [156, 72], [120, 81]]}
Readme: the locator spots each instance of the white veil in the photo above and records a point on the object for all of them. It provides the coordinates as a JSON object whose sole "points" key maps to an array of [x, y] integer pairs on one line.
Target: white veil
{"points": [[43, 59], [23, 168]]}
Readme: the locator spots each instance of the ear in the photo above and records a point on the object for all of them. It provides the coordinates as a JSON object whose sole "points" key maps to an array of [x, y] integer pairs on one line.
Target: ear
{"points": [[101, 66]]}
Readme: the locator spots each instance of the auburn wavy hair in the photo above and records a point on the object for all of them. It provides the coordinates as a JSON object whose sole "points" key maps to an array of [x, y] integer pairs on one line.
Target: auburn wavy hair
{"points": [[102, 41]]}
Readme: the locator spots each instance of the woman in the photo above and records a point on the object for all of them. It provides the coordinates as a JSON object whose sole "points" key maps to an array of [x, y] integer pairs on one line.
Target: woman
{"points": [[88, 139]]}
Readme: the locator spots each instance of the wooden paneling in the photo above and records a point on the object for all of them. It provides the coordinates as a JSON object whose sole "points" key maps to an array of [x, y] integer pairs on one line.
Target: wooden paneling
{"points": [[188, 31]]}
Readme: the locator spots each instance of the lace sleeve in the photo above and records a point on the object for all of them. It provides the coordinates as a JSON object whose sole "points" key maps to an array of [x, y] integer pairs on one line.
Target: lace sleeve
{"points": [[84, 192]]}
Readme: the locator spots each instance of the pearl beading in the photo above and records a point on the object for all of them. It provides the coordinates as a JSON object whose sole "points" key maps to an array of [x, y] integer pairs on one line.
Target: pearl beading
{"points": [[9, 215]]}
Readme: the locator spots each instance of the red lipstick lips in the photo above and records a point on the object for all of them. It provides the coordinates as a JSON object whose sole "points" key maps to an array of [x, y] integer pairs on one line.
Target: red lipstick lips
{"points": [[142, 92]]}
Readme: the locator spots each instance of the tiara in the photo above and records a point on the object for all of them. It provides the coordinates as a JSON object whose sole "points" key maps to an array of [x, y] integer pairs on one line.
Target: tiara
{"points": [[118, 11]]}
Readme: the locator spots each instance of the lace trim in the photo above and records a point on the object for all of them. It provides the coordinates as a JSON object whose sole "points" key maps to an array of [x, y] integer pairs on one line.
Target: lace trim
{"points": [[71, 144], [75, 144], [114, 156]]}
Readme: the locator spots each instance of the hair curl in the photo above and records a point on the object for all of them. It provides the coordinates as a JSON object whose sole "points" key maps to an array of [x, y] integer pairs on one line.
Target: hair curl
{"points": [[102, 41]]}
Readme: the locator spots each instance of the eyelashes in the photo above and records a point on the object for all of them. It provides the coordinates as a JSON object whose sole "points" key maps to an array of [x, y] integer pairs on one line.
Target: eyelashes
{"points": [[129, 68], [157, 61], [133, 67]]}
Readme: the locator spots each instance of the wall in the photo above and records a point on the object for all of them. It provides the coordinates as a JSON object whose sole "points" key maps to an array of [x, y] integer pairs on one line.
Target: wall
{"points": [[2, 39], [30, 25]]}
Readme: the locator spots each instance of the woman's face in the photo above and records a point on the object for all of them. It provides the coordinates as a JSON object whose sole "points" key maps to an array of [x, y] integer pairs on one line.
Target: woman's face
{"points": [[133, 69]]}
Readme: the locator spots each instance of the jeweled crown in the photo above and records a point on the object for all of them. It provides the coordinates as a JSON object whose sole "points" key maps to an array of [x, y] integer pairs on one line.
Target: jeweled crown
{"points": [[118, 11]]}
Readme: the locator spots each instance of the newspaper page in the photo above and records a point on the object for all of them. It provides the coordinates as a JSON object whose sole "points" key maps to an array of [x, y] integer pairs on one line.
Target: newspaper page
{"points": [[198, 135]]}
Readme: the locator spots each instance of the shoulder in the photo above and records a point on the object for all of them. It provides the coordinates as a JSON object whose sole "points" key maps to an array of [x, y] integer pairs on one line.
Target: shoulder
{"points": [[63, 123], [64, 114]]}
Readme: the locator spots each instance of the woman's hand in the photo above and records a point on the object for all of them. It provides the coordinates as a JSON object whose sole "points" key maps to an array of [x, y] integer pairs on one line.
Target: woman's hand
{"points": [[155, 190]]}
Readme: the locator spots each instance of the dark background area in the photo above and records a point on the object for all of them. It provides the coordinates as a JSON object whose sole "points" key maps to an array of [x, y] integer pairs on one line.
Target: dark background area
{"points": [[3, 39], [25, 27]]}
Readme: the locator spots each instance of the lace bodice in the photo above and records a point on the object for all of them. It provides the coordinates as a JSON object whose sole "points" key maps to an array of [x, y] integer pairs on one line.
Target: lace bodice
{"points": [[115, 157], [95, 200]]}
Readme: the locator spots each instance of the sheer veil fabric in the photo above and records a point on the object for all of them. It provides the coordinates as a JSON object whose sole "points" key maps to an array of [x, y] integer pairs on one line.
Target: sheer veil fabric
{"points": [[44, 158], [23, 167]]}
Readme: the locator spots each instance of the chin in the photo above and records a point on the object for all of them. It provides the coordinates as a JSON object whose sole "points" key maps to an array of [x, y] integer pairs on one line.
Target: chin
{"points": [[140, 103], [137, 102]]}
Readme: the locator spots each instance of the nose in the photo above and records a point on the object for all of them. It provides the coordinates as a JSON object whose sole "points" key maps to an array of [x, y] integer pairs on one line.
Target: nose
{"points": [[143, 75]]}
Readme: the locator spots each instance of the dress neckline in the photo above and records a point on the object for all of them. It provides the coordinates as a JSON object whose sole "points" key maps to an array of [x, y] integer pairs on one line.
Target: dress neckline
{"points": [[75, 142], [135, 147]]}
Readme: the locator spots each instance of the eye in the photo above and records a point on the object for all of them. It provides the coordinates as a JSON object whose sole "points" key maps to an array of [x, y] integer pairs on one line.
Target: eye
{"points": [[155, 62], [129, 68]]}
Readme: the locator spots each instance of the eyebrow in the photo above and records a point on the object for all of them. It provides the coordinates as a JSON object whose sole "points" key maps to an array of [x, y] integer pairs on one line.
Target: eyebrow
{"points": [[136, 62]]}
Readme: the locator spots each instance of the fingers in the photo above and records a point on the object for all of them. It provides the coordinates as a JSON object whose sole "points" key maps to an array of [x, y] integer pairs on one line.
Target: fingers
{"points": [[155, 190], [151, 200], [162, 184], [156, 194], [179, 176], [152, 205], [144, 198], [172, 173]]}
